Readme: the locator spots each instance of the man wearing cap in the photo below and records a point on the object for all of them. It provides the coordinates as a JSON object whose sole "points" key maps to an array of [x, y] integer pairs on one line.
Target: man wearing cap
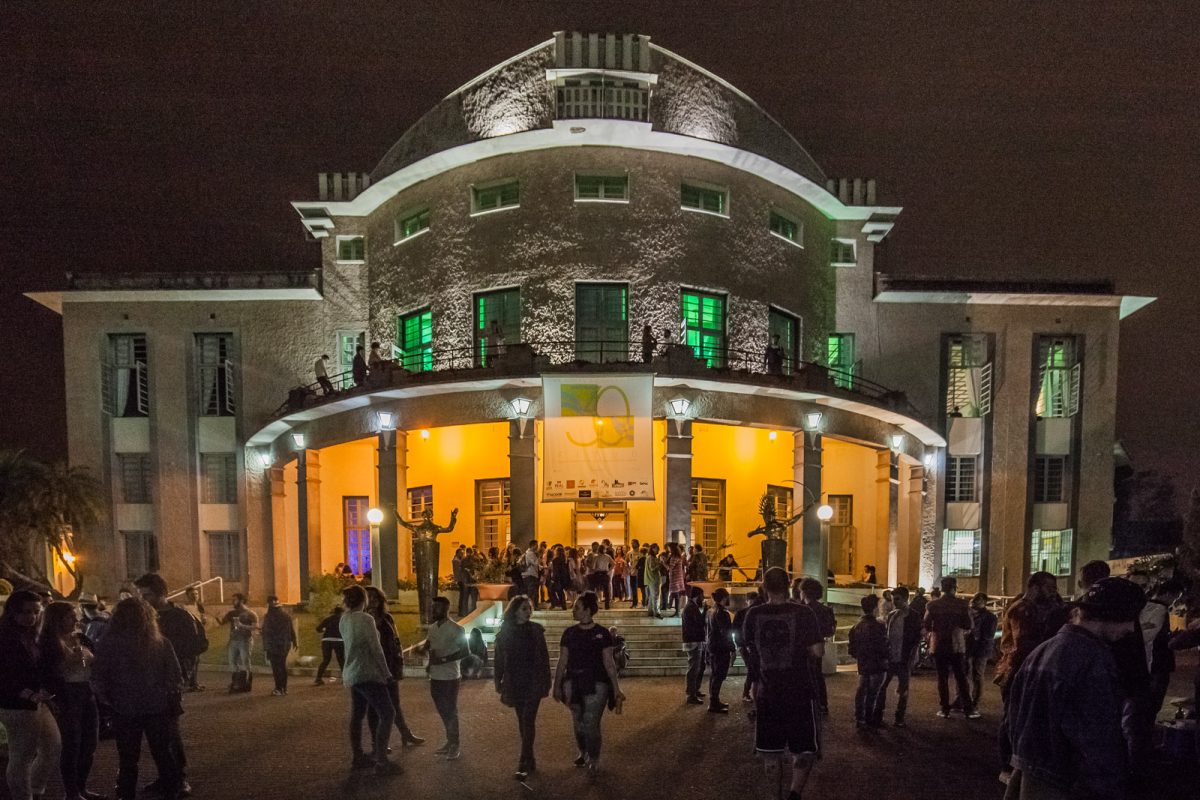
{"points": [[1064, 712], [95, 621]]}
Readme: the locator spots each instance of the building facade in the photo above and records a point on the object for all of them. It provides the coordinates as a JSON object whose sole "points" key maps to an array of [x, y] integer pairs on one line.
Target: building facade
{"points": [[537, 222]]}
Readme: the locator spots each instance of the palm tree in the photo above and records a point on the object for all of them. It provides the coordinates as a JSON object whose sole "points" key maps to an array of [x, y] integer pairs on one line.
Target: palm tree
{"points": [[45, 507]]}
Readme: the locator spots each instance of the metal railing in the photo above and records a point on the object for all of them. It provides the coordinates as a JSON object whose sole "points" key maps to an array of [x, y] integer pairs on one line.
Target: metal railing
{"points": [[523, 358], [199, 587]]}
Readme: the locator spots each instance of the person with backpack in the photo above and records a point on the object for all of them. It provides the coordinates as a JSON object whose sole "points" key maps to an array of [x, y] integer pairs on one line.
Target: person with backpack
{"points": [[242, 622], [331, 644], [186, 638]]}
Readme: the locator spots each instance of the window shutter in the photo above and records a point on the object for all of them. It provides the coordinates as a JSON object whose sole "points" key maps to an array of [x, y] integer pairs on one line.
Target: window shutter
{"points": [[143, 388], [1073, 401], [985, 390]]}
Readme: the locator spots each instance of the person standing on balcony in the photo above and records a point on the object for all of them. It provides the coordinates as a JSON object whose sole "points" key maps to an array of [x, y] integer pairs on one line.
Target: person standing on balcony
{"points": [[773, 357], [320, 369], [494, 342], [375, 360], [649, 344], [358, 367]]}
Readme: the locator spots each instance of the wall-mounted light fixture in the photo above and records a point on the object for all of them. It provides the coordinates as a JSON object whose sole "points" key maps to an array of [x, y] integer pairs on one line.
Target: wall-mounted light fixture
{"points": [[928, 461], [896, 440], [386, 420], [425, 434], [680, 406], [521, 405], [600, 516], [298, 441], [813, 421], [773, 435], [262, 457]]}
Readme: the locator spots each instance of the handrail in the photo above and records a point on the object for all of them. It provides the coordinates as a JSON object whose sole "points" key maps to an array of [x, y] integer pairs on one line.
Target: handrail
{"points": [[549, 353], [199, 586]]}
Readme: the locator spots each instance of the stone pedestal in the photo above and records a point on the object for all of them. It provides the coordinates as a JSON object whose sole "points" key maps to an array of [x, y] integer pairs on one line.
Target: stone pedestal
{"points": [[427, 552], [774, 553]]}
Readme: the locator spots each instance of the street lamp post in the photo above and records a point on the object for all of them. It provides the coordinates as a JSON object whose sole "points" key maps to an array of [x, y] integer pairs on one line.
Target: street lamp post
{"points": [[374, 517]]}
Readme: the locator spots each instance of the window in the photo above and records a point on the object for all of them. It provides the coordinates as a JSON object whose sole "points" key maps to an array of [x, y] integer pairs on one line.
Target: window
{"points": [[420, 500], [843, 509], [841, 253], [1049, 479], [135, 477], [214, 366], [357, 534], [410, 225], [612, 188], [493, 520], [126, 377], [787, 327], [781, 496], [414, 337], [141, 553], [968, 376], [843, 537], [960, 479], [704, 326], [602, 97], [839, 355], [700, 198], [225, 555], [348, 343], [601, 322], [218, 475], [787, 228], [351, 248], [1058, 377], [497, 323], [495, 197], [708, 505], [960, 552], [1050, 551]]}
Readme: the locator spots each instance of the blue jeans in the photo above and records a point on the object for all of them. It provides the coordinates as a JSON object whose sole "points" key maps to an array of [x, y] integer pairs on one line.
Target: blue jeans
{"points": [[652, 590], [239, 654], [869, 686], [445, 700], [586, 717]]}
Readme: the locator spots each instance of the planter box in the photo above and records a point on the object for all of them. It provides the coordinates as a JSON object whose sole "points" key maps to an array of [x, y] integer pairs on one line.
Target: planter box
{"points": [[406, 600]]}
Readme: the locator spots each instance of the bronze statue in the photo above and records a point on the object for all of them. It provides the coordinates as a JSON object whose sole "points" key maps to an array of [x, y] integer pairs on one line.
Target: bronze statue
{"points": [[773, 528], [427, 530]]}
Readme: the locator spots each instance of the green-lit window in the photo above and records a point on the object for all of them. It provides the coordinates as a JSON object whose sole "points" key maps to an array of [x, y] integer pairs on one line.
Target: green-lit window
{"points": [[786, 228], [961, 552], [351, 248], [490, 198], [410, 225], [702, 198], [497, 323], [787, 327], [704, 326], [1050, 551], [1058, 377], [414, 341], [841, 253], [839, 355], [601, 322], [614, 188]]}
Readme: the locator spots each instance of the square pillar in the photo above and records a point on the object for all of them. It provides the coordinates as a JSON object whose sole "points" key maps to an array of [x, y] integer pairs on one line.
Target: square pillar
{"points": [[678, 482], [887, 483], [404, 551], [522, 477], [281, 582], [932, 522], [308, 515], [384, 572], [814, 547]]}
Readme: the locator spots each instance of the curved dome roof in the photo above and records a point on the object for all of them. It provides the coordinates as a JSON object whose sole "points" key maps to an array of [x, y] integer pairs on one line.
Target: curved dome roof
{"points": [[519, 95]]}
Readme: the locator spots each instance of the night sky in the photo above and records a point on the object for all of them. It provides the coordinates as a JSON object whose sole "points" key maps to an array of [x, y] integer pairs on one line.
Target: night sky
{"points": [[1022, 141]]}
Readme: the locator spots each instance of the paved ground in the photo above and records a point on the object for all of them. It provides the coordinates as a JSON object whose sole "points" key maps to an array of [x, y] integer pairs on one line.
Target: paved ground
{"points": [[264, 747]]}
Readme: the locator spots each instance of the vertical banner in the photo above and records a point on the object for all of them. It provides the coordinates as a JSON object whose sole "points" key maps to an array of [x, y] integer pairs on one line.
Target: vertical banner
{"points": [[598, 440]]}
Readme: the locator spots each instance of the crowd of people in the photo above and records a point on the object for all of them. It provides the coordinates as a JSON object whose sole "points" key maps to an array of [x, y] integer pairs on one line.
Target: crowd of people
{"points": [[1081, 681]]}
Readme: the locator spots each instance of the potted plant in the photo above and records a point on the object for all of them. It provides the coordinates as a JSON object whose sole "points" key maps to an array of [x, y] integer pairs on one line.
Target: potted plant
{"points": [[494, 582]]}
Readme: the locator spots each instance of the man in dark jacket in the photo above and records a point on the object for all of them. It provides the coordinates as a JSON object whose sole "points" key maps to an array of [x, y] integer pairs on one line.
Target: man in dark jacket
{"points": [[869, 647], [739, 640], [179, 628], [720, 649], [948, 618], [279, 637], [904, 635], [980, 644], [693, 643], [808, 592], [358, 367], [1064, 708]]}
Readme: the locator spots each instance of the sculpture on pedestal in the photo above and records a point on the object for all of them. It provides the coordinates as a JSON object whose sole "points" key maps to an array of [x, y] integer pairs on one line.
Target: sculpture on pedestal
{"points": [[427, 551], [774, 529]]}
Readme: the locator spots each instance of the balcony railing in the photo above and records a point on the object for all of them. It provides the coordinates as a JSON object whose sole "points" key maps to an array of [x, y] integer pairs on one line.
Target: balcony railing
{"points": [[148, 281], [531, 358]]}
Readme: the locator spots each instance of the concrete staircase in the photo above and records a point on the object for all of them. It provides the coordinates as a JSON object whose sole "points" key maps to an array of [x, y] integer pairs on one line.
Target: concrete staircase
{"points": [[654, 645]]}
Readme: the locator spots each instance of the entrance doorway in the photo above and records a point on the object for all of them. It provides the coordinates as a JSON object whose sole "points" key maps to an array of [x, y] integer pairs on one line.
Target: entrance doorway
{"points": [[597, 520]]}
